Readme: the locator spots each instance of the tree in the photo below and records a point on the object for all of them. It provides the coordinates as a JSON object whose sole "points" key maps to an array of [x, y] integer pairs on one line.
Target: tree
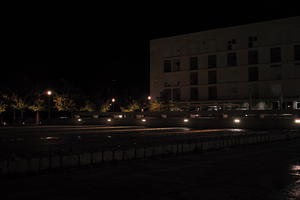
{"points": [[4, 99], [18, 103], [64, 103], [88, 107], [155, 106], [37, 106], [3, 107], [105, 107], [132, 107]]}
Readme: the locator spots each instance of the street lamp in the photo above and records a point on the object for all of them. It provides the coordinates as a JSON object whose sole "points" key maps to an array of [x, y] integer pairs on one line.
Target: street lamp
{"points": [[149, 98], [113, 103], [49, 93]]}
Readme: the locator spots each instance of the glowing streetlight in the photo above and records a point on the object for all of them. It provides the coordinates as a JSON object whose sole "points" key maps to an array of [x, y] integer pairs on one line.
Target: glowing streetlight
{"points": [[149, 98], [297, 121], [237, 121], [113, 100], [49, 93]]}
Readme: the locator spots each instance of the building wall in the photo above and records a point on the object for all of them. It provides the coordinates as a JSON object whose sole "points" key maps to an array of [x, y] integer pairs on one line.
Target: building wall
{"points": [[232, 82]]}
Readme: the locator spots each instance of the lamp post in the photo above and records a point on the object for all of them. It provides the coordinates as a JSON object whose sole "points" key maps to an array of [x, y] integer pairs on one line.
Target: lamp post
{"points": [[147, 103], [113, 103], [49, 93]]}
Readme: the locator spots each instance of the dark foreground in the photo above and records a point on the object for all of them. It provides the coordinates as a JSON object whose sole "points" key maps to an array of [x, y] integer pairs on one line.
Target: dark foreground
{"points": [[269, 171]]}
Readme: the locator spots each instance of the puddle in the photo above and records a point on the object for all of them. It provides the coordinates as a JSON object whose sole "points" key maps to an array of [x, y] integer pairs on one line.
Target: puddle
{"points": [[292, 191]]}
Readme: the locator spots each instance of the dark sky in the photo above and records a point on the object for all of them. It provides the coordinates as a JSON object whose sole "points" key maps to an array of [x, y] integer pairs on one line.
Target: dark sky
{"points": [[105, 49]]}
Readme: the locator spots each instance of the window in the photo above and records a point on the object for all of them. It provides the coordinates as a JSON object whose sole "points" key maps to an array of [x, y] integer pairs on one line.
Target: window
{"points": [[275, 54], [251, 41], [167, 66], [212, 61], [231, 59], [231, 44], [212, 93], [275, 66], [252, 57], [194, 93], [212, 77], [194, 78], [166, 94], [297, 52], [176, 65], [253, 74], [176, 94], [193, 63]]}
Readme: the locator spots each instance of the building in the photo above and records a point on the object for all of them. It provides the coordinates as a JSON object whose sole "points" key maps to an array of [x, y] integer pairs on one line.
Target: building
{"points": [[254, 66]]}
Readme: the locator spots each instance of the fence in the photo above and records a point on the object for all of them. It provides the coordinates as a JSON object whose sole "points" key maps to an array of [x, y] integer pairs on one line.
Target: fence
{"points": [[56, 160]]}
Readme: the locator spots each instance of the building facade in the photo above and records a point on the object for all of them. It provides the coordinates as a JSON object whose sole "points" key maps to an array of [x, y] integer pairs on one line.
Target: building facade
{"points": [[255, 66]]}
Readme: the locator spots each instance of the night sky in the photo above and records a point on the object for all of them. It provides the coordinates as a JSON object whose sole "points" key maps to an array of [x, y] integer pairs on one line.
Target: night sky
{"points": [[105, 50]]}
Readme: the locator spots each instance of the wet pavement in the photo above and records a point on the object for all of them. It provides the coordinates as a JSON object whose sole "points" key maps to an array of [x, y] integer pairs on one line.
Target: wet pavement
{"points": [[253, 172], [39, 139]]}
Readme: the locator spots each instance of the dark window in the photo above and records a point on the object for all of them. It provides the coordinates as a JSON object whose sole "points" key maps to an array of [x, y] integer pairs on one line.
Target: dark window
{"points": [[275, 54], [194, 78], [212, 93], [231, 59], [297, 52], [274, 66], [212, 61], [194, 93], [278, 77], [212, 77], [176, 65], [251, 40], [193, 63], [253, 74], [167, 66], [252, 57], [176, 94], [166, 94]]}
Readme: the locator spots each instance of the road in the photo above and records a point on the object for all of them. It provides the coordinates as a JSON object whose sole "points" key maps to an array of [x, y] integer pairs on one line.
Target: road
{"points": [[16, 140], [259, 172]]}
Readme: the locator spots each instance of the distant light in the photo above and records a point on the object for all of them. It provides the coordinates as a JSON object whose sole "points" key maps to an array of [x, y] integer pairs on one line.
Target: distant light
{"points": [[186, 120], [109, 120], [79, 119], [297, 121], [49, 92], [113, 100], [144, 120], [149, 98], [120, 116], [237, 121]]}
